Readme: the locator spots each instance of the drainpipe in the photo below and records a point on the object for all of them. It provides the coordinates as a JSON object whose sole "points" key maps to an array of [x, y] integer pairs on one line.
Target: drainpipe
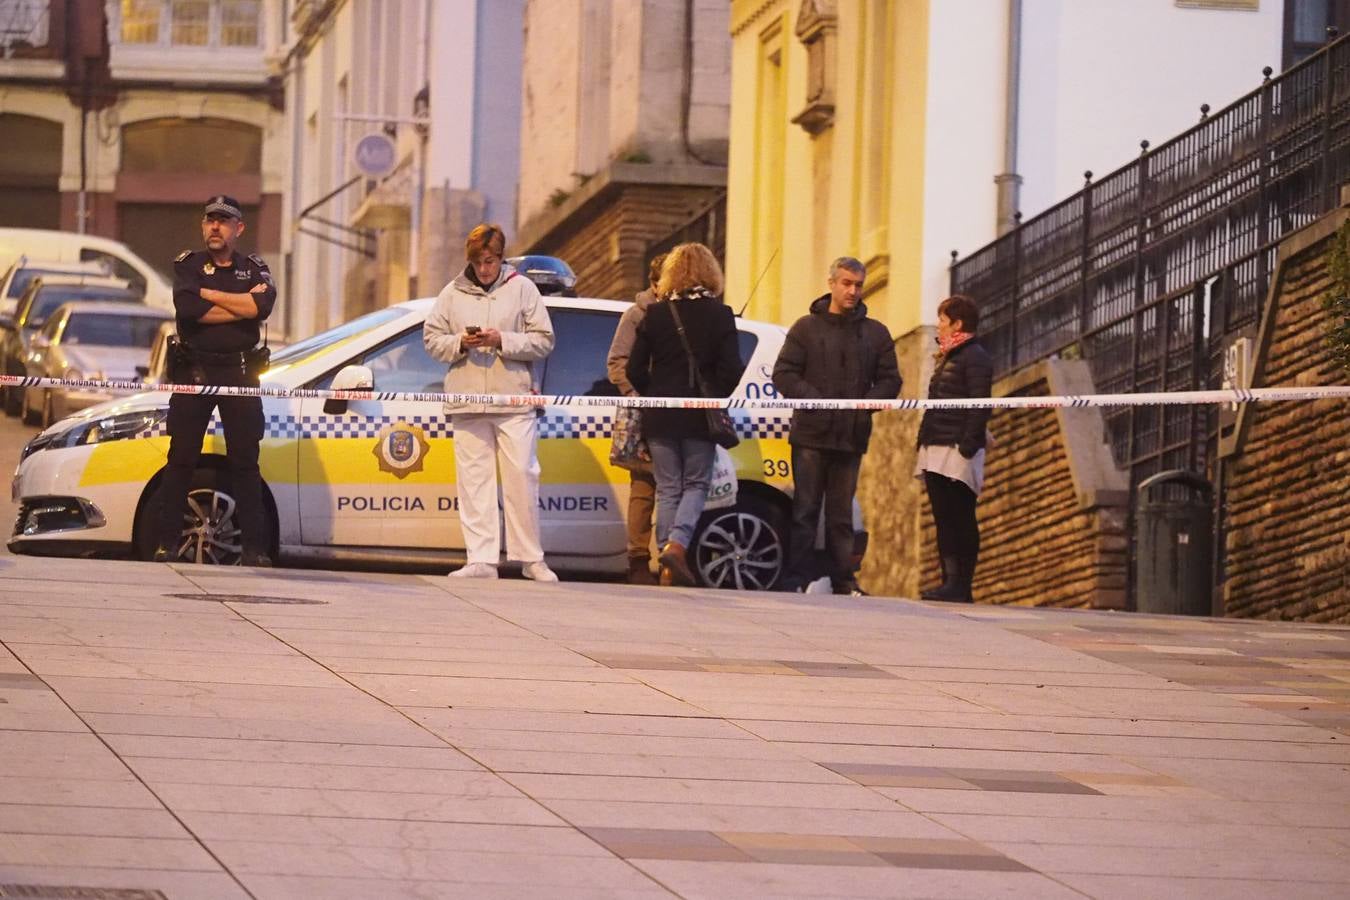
{"points": [[1009, 182], [74, 50], [422, 134], [687, 88]]}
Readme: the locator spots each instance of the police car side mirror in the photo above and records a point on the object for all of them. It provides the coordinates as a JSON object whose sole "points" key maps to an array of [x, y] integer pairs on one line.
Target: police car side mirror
{"points": [[348, 378]]}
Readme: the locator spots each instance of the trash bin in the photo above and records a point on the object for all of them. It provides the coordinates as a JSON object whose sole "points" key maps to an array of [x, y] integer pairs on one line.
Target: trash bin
{"points": [[1173, 538]]}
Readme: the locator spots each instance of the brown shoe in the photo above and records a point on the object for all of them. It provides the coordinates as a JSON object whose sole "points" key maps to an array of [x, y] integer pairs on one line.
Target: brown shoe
{"points": [[640, 571], [674, 558]]}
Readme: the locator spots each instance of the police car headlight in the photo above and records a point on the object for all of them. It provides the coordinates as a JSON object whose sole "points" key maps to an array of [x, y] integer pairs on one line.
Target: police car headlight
{"points": [[111, 428]]}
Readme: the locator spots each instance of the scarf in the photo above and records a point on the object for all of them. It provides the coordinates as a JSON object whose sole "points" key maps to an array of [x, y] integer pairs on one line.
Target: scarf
{"points": [[949, 343], [697, 292]]}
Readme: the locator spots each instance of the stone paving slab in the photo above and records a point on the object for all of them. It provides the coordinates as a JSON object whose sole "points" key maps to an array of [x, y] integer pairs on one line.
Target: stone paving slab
{"points": [[190, 732]]}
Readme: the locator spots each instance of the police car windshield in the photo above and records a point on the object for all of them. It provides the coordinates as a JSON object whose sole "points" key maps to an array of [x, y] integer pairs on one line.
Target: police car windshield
{"points": [[310, 347]]}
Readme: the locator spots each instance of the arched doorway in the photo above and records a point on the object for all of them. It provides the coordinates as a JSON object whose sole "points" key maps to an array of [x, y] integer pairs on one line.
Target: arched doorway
{"points": [[170, 167], [30, 172]]}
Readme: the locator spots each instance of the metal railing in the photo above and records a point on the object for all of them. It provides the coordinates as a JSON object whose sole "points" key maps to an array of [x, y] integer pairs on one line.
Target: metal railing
{"points": [[1145, 273]]}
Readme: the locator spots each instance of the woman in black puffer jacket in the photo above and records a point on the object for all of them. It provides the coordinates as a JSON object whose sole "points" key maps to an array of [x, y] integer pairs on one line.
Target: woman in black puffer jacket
{"points": [[952, 443]]}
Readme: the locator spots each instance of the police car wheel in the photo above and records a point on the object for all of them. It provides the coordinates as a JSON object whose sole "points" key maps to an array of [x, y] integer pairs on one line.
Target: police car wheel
{"points": [[742, 547], [210, 532]]}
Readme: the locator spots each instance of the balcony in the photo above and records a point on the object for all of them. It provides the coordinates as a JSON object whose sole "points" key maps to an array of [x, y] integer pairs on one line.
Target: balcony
{"points": [[187, 41], [30, 46]]}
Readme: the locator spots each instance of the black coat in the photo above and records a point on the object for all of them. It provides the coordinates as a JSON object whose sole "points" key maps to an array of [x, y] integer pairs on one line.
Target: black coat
{"points": [[968, 371], [838, 357], [659, 367]]}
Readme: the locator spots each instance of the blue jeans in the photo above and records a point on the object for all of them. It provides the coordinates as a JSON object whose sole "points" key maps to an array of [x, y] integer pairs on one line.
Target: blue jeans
{"points": [[683, 468]]}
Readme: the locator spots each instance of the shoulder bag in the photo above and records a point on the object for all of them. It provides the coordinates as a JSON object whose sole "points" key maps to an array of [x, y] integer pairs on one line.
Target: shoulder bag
{"points": [[721, 429]]}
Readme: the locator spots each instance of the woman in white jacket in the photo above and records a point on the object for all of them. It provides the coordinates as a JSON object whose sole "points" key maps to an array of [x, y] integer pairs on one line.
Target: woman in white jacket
{"points": [[491, 326]]}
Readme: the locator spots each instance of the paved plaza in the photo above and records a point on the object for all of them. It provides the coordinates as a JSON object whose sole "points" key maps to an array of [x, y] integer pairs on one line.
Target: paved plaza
{"points": [[196, 732]]}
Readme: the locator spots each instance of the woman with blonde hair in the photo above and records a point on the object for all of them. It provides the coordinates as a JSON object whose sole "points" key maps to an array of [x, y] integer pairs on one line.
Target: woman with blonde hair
{"points": [[688, 336]]}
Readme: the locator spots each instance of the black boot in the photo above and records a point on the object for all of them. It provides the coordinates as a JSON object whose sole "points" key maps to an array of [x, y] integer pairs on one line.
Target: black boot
{"points": [[968, 576], [952, 588], [640, 570]]}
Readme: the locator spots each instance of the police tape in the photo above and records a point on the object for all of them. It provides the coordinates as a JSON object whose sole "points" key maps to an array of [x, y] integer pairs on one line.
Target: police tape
{"points": [[1080, 401]]}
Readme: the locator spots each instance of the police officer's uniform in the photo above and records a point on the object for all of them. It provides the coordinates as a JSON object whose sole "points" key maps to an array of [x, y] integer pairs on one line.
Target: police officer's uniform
{"points": [[217, 356]]}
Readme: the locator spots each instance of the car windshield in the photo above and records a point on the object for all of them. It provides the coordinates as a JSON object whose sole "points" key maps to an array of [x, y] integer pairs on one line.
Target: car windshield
{"points": [[310, 347], [24, 277], [49, 298], [111, 330]]}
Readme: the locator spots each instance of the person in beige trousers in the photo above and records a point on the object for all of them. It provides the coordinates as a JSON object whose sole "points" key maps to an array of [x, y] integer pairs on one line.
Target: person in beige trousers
{"points": [[641, 483], [491, 326]]}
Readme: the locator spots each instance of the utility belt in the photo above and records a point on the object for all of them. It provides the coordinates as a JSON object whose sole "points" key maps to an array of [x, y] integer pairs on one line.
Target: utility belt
{"points": [[186, 364]]}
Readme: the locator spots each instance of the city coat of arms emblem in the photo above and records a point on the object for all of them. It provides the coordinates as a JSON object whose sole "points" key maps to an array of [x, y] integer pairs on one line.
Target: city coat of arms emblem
{"points": [[401, 449]]}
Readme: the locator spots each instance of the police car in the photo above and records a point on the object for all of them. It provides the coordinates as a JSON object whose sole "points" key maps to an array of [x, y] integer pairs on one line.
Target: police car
{"points": [[371, 482]]}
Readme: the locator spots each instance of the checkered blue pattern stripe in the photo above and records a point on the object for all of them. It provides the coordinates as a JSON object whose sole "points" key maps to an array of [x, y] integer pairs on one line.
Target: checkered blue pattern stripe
{"points": [[581, 425], [552, 425], [762, 426]]}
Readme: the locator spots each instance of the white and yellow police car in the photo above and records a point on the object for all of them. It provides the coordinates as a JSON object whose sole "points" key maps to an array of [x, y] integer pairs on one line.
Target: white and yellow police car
{"points": [[371, 482]]}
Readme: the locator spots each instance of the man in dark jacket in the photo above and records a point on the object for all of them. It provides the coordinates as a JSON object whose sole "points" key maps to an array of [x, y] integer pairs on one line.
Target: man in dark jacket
{"points": [[836, 352]]}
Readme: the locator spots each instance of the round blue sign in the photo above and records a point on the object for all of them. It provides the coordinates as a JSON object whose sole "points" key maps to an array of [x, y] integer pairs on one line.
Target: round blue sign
{"points": [[376, 155]]}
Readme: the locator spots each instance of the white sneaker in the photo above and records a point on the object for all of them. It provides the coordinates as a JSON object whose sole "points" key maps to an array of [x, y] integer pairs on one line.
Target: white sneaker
{"points": [[475, 570], [538, 571]]}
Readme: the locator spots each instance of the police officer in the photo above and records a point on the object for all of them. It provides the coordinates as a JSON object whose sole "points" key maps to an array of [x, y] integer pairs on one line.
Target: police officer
{"points": [[220, 297]]}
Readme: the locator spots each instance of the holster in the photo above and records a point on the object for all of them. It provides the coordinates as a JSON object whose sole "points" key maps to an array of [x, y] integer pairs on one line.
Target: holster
{"points": [[179, 366], [257, 360]]}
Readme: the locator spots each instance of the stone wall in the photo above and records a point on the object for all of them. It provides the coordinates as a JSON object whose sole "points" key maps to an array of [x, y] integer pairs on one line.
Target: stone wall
{"points": [[1053, 511], [605, 238], [1288, 489], [887, 489], [1052, 515]]}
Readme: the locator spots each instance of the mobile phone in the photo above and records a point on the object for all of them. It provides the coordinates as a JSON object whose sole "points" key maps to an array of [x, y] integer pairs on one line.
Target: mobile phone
{"points": [[472, 329]]}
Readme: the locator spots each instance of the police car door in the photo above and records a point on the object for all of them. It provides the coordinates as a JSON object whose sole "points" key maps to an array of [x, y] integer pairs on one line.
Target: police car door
{"points": [[582, 498], [380, 473]]}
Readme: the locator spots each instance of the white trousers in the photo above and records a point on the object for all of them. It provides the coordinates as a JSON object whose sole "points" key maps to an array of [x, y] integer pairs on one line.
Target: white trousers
{"points": [[482, 441]]}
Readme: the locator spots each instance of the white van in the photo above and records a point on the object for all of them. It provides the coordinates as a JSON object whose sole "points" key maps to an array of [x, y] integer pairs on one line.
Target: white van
{"points": [[35, 246]]}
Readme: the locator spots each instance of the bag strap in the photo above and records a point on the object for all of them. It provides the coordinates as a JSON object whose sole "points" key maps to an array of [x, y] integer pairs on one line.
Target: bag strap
{"points": [[695, 377]]}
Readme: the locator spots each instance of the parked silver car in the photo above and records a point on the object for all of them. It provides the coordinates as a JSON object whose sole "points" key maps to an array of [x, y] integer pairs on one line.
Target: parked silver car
{"points": [[40, 299], [87, 339]]}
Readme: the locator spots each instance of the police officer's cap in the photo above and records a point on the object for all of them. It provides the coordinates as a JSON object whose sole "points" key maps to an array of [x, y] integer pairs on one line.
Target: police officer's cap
{"points": [[222, 205]]}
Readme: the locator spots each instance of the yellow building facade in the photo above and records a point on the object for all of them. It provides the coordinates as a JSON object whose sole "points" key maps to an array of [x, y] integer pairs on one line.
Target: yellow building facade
{"points": [[827, 158], [827, 152]]}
